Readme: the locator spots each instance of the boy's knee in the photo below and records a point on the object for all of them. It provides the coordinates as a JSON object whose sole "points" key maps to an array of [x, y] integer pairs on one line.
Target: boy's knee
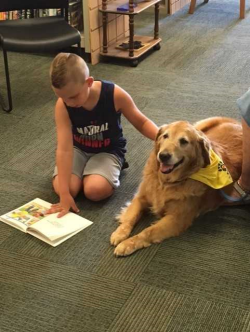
{"points": [[97, 193], [74, 191], [74, 187]]}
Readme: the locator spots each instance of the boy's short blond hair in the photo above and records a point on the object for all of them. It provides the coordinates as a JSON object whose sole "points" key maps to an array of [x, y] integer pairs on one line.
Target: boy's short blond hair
{"points": [[68, 67]]}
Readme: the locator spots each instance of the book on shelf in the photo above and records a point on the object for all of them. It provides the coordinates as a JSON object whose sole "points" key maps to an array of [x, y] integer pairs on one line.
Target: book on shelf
{"points": [[31, 218], [76, 14]]}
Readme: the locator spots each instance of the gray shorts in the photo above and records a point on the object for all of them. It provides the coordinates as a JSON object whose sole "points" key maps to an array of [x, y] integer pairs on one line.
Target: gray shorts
{"points": [[105, 164]]}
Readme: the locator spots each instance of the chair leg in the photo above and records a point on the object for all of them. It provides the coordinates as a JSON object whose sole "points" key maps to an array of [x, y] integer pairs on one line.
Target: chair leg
{"points": [[79, 49], [192, 6], [242, 8], [7, 82]]}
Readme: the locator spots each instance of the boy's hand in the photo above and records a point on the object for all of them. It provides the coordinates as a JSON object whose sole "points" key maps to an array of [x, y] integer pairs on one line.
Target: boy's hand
{"points": [[66, 203]]}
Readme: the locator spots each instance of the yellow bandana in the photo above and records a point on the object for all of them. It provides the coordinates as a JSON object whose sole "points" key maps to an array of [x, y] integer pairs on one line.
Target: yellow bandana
{"points": [[214, 175]]}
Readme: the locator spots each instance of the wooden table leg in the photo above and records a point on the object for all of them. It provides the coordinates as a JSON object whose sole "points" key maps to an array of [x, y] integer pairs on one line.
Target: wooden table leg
{"points": [[156, 28], [131, 35], [242, 8], [192, 6], [105, 37]]}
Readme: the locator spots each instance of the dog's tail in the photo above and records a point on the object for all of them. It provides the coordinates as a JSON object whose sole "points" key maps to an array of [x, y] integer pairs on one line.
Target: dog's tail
{"points": [[207, 124]]}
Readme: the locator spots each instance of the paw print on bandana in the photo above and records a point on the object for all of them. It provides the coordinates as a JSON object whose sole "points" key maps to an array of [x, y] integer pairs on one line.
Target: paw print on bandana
{"points": [[222, 167]]}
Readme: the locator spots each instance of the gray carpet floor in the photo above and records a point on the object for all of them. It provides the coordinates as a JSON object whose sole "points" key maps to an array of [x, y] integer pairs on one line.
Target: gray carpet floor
{"points": [[199, 281]]}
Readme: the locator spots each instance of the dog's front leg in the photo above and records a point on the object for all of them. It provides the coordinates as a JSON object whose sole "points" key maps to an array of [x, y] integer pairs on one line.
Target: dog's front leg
{"points": [[168, 226], [127, 219]]}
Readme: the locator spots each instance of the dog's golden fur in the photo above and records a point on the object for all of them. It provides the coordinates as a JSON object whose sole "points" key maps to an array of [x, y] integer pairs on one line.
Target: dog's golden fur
{"points": [[169, 192]]}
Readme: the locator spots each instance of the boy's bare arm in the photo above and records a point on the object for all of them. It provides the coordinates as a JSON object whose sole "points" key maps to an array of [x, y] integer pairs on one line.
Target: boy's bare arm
{"points": [[64, 152], [125, 104], [64, 157]]}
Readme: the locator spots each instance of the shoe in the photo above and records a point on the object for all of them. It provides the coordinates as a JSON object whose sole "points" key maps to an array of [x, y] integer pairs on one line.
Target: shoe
{"points": [[125, 164], [244, 196]]}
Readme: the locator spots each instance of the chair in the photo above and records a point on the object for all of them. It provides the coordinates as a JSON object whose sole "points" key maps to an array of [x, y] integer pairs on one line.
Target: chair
{"points": [[242, 7], [39, 34]]}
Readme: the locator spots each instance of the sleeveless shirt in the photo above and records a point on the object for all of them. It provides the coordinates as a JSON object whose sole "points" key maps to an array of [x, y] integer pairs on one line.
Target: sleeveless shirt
{"points": [[99, 130]]}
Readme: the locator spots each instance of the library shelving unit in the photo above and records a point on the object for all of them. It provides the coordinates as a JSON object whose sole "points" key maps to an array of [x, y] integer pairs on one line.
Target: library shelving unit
{"points": [[129, 52]]}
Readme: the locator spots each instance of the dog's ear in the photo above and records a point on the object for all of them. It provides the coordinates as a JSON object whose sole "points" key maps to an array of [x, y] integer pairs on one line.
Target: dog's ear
{"points": [[205, 147], [159, 133]]}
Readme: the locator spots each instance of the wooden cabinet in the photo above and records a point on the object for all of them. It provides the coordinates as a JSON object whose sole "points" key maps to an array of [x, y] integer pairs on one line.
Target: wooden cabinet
{"points": [[133, 46]]}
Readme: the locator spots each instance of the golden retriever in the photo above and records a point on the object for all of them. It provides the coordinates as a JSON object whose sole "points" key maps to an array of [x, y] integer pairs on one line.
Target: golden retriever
{"points": [[181, 149]]}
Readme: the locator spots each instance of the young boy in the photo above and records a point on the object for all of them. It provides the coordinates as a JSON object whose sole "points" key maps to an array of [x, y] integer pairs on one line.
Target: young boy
{"points": [[90, 142]]}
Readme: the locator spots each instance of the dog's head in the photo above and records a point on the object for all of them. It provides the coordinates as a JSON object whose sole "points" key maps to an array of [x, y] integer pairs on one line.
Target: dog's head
{"points": [[181, 150]]}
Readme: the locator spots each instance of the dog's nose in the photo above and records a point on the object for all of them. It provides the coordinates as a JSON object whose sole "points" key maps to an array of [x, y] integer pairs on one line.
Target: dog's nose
{"points": [[165, 157]]}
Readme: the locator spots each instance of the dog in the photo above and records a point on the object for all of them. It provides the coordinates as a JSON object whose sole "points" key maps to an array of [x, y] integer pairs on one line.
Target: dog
{"points": [[181, 150]]}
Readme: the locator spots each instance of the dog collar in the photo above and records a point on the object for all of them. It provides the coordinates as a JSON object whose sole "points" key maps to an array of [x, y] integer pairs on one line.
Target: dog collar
{"points": [[215, 175]]}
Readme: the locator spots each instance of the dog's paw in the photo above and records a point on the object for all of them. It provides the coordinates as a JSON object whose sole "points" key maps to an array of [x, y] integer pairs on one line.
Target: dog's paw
{"points": [[119, 235], [125, 248]]}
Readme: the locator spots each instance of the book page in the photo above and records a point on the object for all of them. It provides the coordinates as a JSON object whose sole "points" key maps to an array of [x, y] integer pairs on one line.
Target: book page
{"points": [[26, 215], [54, 228]]}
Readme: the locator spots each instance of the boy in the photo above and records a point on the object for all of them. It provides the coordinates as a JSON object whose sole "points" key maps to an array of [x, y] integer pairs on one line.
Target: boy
{"points": [[90, 143]]}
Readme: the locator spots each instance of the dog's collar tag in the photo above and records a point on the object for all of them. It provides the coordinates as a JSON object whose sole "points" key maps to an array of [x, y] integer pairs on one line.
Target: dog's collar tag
{"points": [[215, 175]]}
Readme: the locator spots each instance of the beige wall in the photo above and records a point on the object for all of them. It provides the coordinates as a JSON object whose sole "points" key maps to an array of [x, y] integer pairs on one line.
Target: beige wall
{"points": [[175, 5]]}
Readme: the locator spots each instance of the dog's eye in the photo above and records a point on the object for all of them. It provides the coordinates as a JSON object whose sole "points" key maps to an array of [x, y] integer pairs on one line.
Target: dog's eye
{"points": [[165, 136], [183, 141]]}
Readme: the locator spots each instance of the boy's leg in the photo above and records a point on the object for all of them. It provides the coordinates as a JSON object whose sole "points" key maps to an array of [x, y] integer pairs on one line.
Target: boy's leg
{"points": [[74, 187], [101, 176], [79, 162]]}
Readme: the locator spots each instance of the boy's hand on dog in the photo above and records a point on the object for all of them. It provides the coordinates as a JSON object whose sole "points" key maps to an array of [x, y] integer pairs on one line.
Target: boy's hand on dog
{"points": [[66, 203]]}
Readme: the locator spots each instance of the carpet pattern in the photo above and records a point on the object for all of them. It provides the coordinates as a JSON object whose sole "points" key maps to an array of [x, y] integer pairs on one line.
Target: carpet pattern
{"points": [[199, 281]]}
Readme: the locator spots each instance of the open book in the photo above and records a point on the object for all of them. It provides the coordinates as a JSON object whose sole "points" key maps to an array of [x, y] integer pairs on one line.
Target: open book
{"points": [[31, 218]]}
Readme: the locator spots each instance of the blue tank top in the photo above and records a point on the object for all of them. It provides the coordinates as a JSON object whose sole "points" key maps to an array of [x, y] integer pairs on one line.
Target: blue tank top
{"points": [[99, 130]]}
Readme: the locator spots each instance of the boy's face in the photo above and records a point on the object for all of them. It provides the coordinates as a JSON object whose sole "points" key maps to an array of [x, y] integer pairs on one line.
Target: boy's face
{"points": [[75, 94]]}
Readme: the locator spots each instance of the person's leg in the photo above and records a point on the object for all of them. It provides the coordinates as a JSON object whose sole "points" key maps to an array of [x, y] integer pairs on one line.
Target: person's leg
{"points": [[96, 187], [244, 180], [79, 161], [239, 192], [74, 187], [101, 176]]}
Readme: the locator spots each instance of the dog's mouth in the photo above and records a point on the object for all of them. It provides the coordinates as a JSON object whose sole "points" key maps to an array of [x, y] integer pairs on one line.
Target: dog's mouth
{"points": [[166, 169]]}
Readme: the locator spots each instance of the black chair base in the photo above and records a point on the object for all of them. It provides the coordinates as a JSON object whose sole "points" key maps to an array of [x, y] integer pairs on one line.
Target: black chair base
{"points": [[7, 76]]}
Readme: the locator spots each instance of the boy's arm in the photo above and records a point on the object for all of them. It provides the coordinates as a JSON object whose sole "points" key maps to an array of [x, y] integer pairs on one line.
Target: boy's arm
{"points": [[64, 157], [125, 104]]}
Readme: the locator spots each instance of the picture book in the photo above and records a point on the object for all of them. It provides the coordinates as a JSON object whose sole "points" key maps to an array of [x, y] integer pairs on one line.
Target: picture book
{"points": [[31, 218]]}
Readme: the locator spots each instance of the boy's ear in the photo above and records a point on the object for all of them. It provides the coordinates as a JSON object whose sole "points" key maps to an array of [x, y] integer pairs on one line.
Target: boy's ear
{"points": [[90, 81]]}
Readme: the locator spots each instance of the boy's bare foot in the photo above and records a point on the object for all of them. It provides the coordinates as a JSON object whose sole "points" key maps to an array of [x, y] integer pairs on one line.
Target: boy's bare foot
{"points": [[235, 194]]}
